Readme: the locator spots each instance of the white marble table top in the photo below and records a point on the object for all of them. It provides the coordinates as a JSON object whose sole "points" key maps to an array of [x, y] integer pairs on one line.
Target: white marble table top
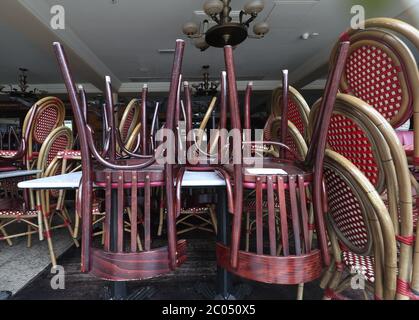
{"points": [[72, 181], [17, 173]]}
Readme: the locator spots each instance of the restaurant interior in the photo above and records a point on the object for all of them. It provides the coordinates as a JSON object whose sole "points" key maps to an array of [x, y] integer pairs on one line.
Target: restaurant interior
{"points": [[209, 150]]}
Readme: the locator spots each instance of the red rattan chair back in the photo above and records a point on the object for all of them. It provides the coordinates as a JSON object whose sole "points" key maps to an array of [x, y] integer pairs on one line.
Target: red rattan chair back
{"points": [[124, 181], [297, 109], [382, 71], [130, 119]]}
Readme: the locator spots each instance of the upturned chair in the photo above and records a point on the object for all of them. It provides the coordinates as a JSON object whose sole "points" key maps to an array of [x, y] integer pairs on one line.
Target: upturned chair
{"points": [[363, 136], [122, 179], [200, 206], [382, 71], [295, 262]]}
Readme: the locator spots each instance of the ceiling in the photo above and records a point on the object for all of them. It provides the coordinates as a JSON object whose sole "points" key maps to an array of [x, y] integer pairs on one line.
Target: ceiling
{"points": [[122, 40]]}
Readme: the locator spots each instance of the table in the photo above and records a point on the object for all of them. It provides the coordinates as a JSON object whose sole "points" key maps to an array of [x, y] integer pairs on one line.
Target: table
{"points": [[191, 179], [4, 295], [18, 173]]}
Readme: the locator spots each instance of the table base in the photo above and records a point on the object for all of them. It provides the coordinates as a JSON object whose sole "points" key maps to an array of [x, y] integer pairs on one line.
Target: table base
{"points": [[238, 292]]}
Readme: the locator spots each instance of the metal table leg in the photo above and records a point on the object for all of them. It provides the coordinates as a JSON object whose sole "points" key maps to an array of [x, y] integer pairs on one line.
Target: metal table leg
{"points": [[224, 284], [118, 289]]}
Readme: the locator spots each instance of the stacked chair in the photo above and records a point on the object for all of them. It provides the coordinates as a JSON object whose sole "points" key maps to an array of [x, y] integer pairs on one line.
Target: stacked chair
{"points": [[382, 71], [285, 259], [125, 181]]}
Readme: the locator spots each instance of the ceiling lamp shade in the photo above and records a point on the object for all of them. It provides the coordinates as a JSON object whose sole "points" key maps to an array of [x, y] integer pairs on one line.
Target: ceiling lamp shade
{"points": [[213, 7], [253, 7], [201, 44], [190, 28], [261, 28], [226, 31]]}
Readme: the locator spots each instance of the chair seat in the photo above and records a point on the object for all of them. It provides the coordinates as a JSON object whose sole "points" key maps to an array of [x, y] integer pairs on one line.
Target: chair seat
{"points": [[7, 153], [69, 154], [192, 210], [17, 213], [361, 264]]}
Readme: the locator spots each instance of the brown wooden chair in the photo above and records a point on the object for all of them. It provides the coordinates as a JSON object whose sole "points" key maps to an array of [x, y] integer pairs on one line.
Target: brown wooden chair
{"points": [[123, 179], [382, 71], [296, 262]]}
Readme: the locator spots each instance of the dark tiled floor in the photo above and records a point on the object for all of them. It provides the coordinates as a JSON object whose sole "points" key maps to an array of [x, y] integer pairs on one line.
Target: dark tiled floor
{"points": [[199, 268]]}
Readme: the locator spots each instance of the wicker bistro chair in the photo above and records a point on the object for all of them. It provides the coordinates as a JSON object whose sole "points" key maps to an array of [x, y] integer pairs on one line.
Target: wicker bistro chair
{"points": [[130, 119], [39, 220], [360, 230], [49, 202], [297, 263], [363, 136], [297, 110], [123, 179], [43, 117], [382, 71]]}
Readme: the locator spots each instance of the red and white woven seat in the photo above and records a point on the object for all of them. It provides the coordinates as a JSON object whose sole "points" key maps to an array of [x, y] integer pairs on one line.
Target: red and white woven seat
{"points": [[363, 265], [18, 213], [69, 154], [7, 153], [194, 210]]}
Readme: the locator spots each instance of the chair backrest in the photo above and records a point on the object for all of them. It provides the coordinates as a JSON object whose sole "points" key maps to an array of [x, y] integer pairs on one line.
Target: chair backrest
{"points": [[130, 119], [298, 109], [50, 113], [359, 219], [58, 140], [363, 136], [381, 69]]}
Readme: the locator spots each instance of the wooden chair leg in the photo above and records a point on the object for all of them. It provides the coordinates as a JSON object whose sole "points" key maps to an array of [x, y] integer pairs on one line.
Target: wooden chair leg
{"points": [[49, 240], [29, 240], [160, 229], [328, 275], [40, 218], [247, 230], [67, 221], [140, 245], [5, 235], [213, 217], [76, 226], [103, 233]]}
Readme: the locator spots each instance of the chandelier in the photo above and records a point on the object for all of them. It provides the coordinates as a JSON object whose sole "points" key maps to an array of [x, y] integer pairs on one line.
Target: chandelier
{"points": [[206, 87], [226, 31], [22, 94]]}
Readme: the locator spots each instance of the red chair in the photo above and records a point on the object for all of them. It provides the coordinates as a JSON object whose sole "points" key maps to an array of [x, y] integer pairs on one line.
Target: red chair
{"points": [[123, 180], [296, 262], [382, 71]]}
